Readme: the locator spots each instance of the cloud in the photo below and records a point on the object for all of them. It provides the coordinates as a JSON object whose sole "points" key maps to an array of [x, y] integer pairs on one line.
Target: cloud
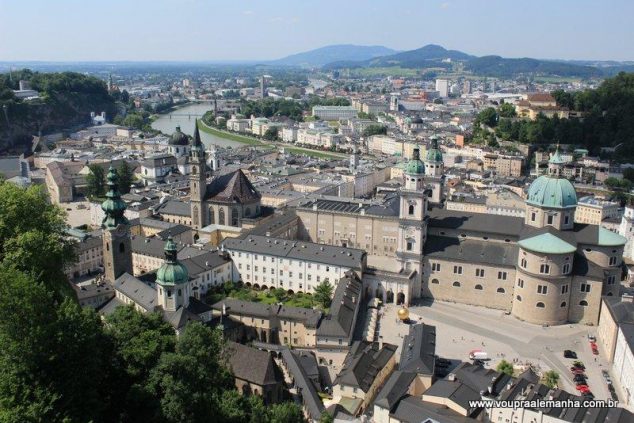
{"points": [[247, 12], [276, 19], [444, 5]]}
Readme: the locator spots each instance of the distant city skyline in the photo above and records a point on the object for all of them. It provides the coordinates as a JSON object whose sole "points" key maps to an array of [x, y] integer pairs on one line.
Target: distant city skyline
{"points": [[242, 30]]}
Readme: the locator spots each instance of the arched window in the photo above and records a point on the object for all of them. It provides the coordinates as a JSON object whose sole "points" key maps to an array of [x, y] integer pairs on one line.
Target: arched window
{"points": [[221, 216], [180, 292], [583, 303], [435, 281], [478, 287], [107, 247], [563, 304], [500, 291], [456, 284], [122, 247], [234, 216], [212, 216], [540, 305], [519, 298], [566, 268], [411, 209]]}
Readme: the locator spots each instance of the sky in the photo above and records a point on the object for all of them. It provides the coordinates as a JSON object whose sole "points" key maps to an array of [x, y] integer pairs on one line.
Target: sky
{"points": [[235, 30]]}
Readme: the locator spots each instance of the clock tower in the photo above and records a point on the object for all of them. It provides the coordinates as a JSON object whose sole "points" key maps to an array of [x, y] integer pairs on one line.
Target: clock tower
{"points": [[117, 250], [197, 180]]}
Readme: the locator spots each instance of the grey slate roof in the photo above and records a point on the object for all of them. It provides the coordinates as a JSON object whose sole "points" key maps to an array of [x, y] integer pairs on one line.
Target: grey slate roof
{"points": [[351, 258], [394, 389], [232, 187], [455, 391], [481, 379], [308, 317], [175, 208], [470, 250], [362, 364], [203, 262], [476, 222], [137, 291], [343, 309], [414, 410], [250, 364], [418, 354], [302, 382]]}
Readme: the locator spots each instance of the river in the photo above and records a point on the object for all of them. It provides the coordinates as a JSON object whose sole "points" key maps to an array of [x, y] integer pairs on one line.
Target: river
{"points": [[185, 117]]}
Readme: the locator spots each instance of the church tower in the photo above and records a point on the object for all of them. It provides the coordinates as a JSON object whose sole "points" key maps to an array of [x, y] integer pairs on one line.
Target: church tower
{"points": [[435, 172], [412, 227], [172, 280], [117, 250], [197, 180]]}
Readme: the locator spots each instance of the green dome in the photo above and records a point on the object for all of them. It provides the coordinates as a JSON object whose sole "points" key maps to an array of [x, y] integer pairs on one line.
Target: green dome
{"points": [[172, 272], [415, 166], [551, 192], [434, 155], [178, 137]]}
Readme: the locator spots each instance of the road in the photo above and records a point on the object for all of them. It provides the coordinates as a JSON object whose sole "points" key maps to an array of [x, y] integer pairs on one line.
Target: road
{"points": [[462, 328]]}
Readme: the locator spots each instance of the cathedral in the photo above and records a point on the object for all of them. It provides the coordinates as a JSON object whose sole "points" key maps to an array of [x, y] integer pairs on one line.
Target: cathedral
{"points": [[543, 268]]}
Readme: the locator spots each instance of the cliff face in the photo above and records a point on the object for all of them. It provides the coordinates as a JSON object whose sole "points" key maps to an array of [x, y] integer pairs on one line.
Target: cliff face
{"points": [[66, 100]]}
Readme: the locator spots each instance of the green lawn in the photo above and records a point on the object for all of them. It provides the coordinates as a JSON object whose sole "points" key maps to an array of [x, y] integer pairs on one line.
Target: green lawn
{"points": [[228, 135], [265, 297]]}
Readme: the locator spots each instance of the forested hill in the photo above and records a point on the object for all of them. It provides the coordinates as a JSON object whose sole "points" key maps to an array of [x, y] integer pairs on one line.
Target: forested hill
{"points": [[66, 99]]}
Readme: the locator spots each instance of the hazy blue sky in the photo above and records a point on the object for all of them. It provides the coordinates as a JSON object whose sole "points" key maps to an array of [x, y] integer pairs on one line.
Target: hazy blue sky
{"points": [[268, 29]]}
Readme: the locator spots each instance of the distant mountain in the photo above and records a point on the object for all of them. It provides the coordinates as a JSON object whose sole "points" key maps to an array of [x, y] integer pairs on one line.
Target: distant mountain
{"points": [[435, 56], [334, 53]]}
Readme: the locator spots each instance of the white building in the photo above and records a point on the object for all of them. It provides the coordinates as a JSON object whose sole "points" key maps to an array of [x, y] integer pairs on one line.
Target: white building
{"points": [[626, 230], [237, 124], [297, 266], [442, 86], [289, 134], [623, 365], [335, 112]]}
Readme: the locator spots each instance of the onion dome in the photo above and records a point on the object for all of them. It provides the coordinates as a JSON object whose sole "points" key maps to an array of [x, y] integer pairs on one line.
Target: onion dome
{"points": [[415, 166], [434, 154], [113, 207], [178, 137], [551, 192], [171, 272]]}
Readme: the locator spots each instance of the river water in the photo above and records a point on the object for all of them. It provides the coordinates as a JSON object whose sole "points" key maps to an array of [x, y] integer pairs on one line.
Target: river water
{"points": [[186, 118]]}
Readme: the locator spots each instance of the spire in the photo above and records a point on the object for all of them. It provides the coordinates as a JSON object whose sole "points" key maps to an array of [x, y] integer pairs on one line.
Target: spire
{"points": [[113, 207], [170, 251], [196, 140]]}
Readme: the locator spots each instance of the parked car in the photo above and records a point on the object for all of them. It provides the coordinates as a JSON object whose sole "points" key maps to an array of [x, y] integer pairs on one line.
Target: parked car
{"points": [[592, 338], [583, 389], [570, 354], [579, 364], [581, 378], [581, 382], [595, 351], [614, 396], [577, 371]]}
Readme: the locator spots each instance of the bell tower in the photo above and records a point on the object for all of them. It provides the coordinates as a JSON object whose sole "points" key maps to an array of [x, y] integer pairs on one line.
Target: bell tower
{"points": [[197, 180], [117, 250]]}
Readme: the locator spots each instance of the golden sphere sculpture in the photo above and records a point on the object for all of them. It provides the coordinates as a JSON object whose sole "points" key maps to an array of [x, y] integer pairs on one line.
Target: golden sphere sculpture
{"points": [[403, 313]]}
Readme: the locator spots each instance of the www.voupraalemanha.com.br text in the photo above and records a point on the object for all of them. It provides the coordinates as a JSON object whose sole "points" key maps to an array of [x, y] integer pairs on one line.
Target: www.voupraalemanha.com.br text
{"points": [[568, 403]]}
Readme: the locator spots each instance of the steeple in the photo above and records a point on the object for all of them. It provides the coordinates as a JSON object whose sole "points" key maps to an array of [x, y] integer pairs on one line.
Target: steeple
{"points": [[556, 164], [172, 279], [197, 179], [113, 206], [197, 148]]}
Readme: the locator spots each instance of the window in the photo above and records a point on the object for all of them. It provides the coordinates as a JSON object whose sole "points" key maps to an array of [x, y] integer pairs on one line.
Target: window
{"points": [[502, 276], [480, 273], [544, 269], [565, 269], [550, 219], [435, 281], [221, 216], [533, 216], [478, 287], [456, 284], [457, 270], [583, 303], [500, 291], [519, 298], [411, 210], [540, 305], [435, 267], [542, 289], [409, 245], [122, 247], [611, 280], [566, 219], [585, 287], [612, 261], [523, 263], [281, 273], [520, 283], [564, 289], [563, 304]]}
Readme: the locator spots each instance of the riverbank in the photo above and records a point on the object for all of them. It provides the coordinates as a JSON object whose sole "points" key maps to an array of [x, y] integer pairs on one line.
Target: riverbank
{"points": [[258, 143]]}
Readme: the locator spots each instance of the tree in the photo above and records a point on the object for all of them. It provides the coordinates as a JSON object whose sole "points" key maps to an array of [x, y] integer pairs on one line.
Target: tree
{"points": [[54, 358], [506, 110], [271, 133], [323, 294], [488, 116], [551, 378], [37, 245], [629, 174], [326, 417], [125, 177], [505, 367], [375, 130], [96, 182], [134, 120], [286, 412], [280, 295]]}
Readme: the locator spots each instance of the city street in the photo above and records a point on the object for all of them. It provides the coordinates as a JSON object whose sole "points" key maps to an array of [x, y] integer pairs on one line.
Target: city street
{"points": [[461, 328]]}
